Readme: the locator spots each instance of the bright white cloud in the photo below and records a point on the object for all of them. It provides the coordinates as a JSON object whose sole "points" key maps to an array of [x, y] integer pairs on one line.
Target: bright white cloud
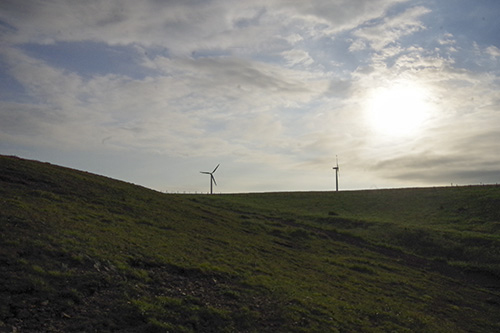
{"points": [[493, 51]]}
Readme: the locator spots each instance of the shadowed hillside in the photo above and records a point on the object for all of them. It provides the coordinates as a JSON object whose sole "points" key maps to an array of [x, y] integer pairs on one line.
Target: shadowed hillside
{"points": [[81, 252]]}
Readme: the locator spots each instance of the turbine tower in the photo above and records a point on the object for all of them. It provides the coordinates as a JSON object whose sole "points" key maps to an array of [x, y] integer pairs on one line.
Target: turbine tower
{"points": [[336, 168], [212, 178]]}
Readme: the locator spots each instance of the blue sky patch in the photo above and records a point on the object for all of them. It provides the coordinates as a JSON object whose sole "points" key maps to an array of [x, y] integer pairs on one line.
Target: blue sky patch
{"points": [[90, 58]]}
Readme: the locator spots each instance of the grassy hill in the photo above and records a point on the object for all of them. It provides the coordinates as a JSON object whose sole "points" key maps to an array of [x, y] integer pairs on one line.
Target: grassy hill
{"points": [[81, 252]]}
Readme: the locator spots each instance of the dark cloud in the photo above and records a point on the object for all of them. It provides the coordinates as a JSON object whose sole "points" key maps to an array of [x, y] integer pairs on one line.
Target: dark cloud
{"points": [[423, 161], [449, 176], [220, 72], [428, 168]]}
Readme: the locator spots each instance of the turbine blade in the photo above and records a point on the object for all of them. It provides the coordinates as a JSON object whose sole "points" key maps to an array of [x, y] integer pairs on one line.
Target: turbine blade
{"points": [[216, 168], [204, 172], [213, 178]]}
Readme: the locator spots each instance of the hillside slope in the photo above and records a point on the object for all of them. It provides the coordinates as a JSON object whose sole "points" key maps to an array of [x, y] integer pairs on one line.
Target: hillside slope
{"points": [[81, 252]]}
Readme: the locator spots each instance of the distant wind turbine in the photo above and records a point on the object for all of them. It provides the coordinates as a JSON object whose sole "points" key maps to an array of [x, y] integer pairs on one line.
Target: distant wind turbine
{"points": [[336, 168], [212, 178]]}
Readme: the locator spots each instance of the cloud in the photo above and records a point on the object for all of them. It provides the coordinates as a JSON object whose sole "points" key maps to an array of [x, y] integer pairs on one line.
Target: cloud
{"points": [[172, 113], [278, 83], [184, 26], [493, 51], [429, 168], [458, 146], [459, 137], [339, 15], [296, 57], [391, 29]]}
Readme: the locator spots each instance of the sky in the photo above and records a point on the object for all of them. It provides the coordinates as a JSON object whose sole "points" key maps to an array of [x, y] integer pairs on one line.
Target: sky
{"points": [[404, 93]]}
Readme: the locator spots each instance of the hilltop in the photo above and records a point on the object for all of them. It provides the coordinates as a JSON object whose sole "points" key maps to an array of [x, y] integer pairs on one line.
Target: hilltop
{"points": [[82, 252]]}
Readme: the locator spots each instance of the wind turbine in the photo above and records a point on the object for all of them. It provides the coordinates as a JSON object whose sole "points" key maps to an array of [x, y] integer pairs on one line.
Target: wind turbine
{"points": [[336, 168], [212, 178]]}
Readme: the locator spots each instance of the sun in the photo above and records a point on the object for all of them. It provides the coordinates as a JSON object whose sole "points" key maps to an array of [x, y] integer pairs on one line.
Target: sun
{"points": [[398, 110]]}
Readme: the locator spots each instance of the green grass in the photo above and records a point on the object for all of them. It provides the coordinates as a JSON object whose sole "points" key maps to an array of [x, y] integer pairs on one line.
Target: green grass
{"points": [[81, 252]]}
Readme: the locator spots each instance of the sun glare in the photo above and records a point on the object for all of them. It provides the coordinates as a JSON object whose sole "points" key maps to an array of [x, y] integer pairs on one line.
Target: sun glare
{"points": [[399, 110]]}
